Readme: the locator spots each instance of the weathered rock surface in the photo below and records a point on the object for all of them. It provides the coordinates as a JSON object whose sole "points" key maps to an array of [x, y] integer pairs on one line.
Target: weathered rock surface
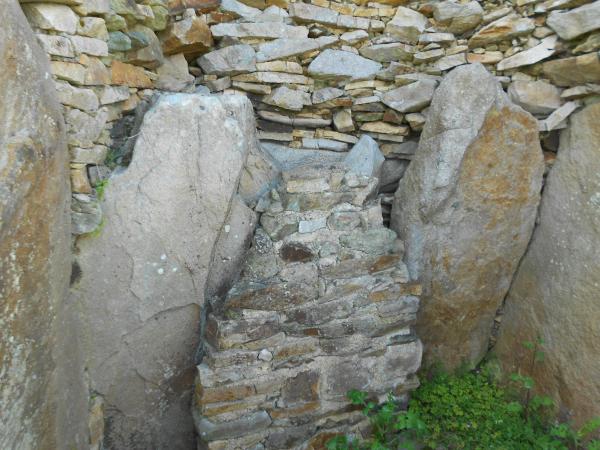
{"points": [[43, 396], [465, 209], [554, 295], [145, 274]]}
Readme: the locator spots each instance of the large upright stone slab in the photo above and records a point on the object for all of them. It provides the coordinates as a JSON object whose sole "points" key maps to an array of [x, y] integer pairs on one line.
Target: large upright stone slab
{"points": [[465, 209], [555, 291], [43, 400], [143, 278]]}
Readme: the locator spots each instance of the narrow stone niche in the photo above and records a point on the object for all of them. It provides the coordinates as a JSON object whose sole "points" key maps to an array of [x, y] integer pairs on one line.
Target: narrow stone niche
{"points": [[324, 304]]}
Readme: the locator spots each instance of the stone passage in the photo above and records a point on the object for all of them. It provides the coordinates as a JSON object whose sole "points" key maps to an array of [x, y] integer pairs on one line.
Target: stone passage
{"points": [[324, 305]]}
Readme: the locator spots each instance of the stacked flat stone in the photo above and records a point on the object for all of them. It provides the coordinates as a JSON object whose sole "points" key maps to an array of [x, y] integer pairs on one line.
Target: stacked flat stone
{"points": [[324, 305]]}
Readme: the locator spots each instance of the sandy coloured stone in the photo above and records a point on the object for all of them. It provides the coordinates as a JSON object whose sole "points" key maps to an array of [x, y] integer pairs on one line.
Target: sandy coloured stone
{"points": [[190, 36], [129, 75]]}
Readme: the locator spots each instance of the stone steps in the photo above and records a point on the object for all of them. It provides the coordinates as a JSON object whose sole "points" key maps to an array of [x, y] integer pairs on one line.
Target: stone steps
{"points": [[324, 304]]}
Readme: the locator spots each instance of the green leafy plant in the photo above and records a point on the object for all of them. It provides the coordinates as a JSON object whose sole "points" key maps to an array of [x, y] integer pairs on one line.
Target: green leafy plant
{"points": [[391, 428]]}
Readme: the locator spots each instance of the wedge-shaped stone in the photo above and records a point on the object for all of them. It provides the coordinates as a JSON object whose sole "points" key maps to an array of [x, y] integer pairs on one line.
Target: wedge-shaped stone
{"points": [[230, 60], [572, 24], [503, 29], [407, 24], [268, 30], [465, 210], [342, 65], [412, 97]]}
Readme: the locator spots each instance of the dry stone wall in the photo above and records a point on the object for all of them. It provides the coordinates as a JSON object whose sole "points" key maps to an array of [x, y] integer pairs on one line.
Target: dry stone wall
{"points": [[324, 305]]}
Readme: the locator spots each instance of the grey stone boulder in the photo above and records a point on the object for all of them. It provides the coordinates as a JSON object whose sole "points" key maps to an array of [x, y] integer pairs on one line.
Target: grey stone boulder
{"points": [[554, 295], [411, 98], [144, 277], [231, 60], [457, 18], [573, 23], [465, 209], [42, 384], [365, 158], [342, 65]]}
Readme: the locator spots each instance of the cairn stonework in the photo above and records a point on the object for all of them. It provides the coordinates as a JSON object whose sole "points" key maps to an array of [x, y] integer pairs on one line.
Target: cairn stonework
{"points": [[324, 305]]}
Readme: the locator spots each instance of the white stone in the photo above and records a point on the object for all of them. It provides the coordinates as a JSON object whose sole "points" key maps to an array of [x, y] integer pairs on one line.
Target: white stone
{"points": [[48, 16], [56, 45]]}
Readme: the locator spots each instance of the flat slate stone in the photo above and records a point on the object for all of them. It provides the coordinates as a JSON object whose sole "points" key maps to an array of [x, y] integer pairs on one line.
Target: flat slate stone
{"points": [[266, 30], [342, 65]]}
